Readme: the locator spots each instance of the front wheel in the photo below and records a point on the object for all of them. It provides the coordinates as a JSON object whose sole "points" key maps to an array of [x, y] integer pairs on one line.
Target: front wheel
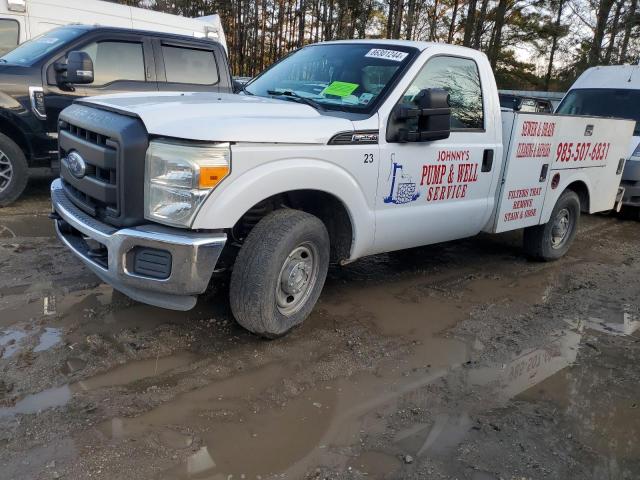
{"points": [[14, 171], [552, 240], [279, 272]]}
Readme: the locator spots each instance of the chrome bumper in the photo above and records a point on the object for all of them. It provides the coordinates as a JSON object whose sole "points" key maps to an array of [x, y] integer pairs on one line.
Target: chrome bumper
{"points": [[193, 255]]}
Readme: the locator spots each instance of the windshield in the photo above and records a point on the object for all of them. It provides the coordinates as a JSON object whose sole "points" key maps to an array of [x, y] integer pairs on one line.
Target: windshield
{"points": [[33, 50], [347, 76], [603, 102]]}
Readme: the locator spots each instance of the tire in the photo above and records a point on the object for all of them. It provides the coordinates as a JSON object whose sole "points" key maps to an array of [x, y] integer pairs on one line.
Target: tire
{"points": [[285, 241], [549, 242], [14, 171]]}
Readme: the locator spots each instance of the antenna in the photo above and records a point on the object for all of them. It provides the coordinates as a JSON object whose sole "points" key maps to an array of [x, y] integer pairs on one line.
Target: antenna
{"points": [[633, 70]]}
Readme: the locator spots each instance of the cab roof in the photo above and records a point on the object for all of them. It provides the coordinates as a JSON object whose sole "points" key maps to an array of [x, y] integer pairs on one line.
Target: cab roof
{"points": [[611, 76], [401, 43], [151, 33]]}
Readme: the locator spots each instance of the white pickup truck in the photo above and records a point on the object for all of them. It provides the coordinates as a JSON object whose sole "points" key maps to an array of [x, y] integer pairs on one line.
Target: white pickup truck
{"points": [[341, 150]]}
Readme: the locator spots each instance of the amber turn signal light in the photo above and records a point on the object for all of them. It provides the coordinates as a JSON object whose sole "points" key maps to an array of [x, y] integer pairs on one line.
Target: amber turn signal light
{"points": [[211, 176]]}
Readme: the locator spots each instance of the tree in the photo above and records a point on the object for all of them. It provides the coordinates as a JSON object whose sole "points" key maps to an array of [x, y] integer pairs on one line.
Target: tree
{"points": [[259, 32], [556, 33], [604, 9]]}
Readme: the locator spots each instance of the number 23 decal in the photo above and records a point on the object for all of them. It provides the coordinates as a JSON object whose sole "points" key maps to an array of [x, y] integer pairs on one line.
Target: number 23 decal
{"points": [[368, 158]]}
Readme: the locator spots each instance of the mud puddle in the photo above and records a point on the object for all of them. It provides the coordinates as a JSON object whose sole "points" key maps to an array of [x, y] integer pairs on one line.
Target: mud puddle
{"points": [[288, 436], [123, 375], [606, 413], [21, 226]]}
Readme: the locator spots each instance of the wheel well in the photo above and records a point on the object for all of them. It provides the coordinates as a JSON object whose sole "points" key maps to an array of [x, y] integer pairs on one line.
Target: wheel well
{"points": [[583, 194], [15, 134], [325, 206]]}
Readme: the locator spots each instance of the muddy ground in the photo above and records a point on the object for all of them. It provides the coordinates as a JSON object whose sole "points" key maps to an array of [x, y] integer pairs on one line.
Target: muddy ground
{"points": [[455, 361]]}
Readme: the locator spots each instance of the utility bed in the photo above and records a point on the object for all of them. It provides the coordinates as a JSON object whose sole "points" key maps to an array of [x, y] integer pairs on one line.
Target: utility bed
{"points": [[541, 149]]}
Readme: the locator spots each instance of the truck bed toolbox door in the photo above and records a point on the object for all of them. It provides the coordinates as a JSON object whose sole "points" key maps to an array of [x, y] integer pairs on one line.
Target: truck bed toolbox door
{"points": [[528, 146]]}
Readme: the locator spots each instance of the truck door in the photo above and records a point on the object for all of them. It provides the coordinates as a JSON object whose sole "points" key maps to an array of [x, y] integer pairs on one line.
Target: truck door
{"points": [[439, 190], [121, 63], [184, 66]]}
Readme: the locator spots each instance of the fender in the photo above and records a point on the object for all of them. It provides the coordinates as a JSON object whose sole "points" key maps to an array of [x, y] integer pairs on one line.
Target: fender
{"points": [[567, 177], [226, 205], [12, 125]]}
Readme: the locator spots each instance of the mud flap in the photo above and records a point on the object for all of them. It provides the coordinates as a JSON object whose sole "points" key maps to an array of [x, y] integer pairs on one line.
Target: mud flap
{"points": [[618, 205]]}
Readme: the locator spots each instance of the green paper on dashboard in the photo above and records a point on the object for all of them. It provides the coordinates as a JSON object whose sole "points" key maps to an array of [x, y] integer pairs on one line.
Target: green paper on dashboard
{"points": [[340, 89]]}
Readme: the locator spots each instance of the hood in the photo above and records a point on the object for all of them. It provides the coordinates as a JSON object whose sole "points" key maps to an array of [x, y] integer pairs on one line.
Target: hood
{"points": [[14, 69], [222, 117]]}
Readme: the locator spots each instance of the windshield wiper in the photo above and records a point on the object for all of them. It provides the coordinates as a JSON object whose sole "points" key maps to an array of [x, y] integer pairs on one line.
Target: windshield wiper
{"points": [[297, 98]]}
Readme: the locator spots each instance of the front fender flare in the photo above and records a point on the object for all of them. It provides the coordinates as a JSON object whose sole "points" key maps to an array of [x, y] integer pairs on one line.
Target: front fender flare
{"points": [[236, 195]]}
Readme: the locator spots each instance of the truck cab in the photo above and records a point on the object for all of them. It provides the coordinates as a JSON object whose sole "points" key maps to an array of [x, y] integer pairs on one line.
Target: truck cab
{"points": [[341, 150], [36, 86]]}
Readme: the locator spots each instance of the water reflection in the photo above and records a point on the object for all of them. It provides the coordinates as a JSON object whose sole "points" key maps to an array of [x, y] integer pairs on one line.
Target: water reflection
{"points": [[49, 338], [17, 226], [10, 341], [625, 324], [532, 366], [123, 375]]}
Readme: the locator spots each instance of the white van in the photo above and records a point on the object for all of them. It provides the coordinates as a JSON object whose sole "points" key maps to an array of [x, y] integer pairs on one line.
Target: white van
{"points": [[21, 20], [611, 91]]}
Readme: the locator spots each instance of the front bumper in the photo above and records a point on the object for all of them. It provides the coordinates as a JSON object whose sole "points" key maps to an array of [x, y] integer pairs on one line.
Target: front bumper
{"points": [[631, 183], [193, 256]]}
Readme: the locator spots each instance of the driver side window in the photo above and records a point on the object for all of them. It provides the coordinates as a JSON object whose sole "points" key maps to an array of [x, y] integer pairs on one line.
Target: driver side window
{"points": [[115, 60], [461, 79]]}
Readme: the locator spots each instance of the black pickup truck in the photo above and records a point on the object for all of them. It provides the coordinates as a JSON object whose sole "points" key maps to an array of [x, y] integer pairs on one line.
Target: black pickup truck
{"points": [[41, 77]]}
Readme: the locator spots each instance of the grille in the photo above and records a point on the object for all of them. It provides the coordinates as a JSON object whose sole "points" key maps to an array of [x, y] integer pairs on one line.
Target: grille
{"points": [[97, 191], [113, 147]]}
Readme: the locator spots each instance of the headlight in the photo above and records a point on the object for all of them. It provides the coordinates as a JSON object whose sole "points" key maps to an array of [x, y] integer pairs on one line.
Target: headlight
{"points": [[179, 177]]}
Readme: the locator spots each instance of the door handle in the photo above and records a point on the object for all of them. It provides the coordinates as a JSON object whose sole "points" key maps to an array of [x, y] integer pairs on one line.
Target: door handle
{"points": [[544, 172], [487, 161]]}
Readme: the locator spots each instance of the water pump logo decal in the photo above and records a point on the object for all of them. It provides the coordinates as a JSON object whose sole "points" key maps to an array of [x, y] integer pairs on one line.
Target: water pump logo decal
{"points": [[403, 189]]}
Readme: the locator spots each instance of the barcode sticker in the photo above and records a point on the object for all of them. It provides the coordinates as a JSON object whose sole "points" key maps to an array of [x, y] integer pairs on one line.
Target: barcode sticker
{"points": [[394, 55]]}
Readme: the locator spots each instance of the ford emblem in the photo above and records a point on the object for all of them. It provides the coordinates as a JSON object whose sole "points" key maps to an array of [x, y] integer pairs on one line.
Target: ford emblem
{"points": [[76, 164]]}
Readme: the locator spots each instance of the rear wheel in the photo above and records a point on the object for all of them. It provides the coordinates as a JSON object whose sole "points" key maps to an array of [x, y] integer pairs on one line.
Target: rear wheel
{"points": [[279, 272], [14, 171], [553, 239]]}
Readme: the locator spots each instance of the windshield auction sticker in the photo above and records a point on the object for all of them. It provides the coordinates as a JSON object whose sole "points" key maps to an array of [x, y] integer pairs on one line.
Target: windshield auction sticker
{"points": [[340, 89], [394, 55]]}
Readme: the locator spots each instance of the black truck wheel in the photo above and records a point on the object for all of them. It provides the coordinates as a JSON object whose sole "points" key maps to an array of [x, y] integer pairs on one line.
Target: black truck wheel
{"points": [[279, 272], [552, 240], [14, 171]]}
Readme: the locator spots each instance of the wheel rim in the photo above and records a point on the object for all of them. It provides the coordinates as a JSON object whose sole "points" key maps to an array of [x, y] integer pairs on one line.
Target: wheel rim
{"points": [[6, 171], [297, 278], [561, 228]]}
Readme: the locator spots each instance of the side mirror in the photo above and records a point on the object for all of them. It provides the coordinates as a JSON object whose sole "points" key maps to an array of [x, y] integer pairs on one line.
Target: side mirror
{"points": [[78, 68], [238, 86], [427, 118]]}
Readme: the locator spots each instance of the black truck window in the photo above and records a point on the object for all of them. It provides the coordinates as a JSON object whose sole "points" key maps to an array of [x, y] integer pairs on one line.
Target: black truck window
{"points": [[113, 61], [188, 65], [9, 35]]}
